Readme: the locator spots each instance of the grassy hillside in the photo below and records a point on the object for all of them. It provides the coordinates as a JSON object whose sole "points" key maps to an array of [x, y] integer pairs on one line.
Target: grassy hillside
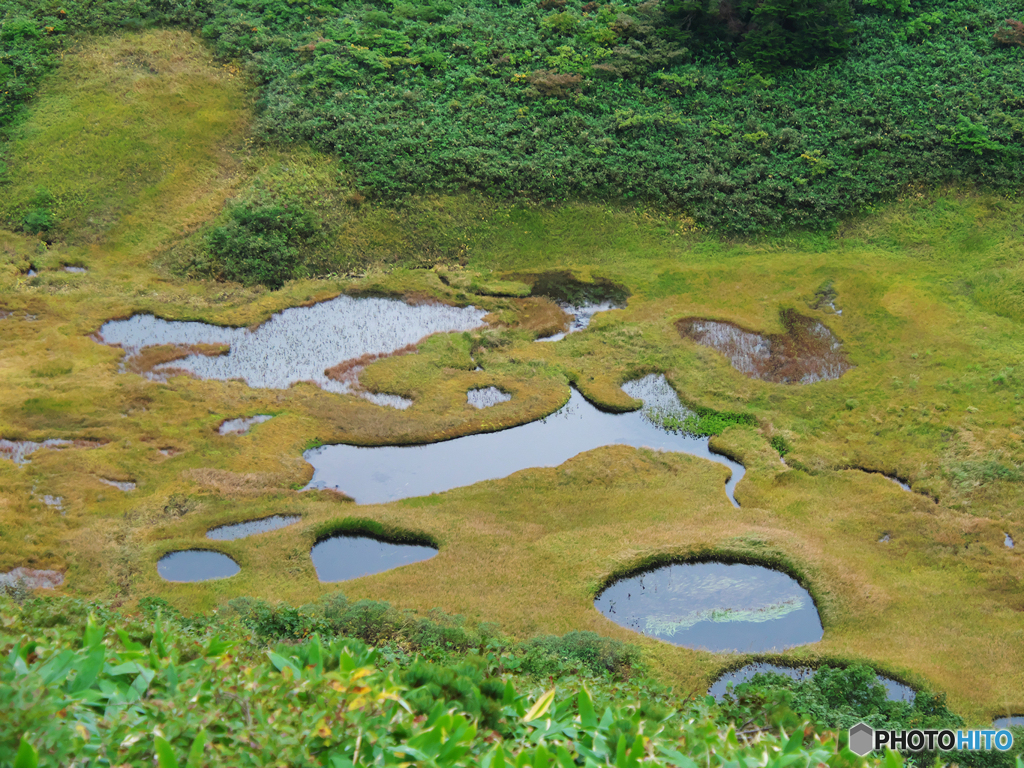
{"points": [[157, 153]]}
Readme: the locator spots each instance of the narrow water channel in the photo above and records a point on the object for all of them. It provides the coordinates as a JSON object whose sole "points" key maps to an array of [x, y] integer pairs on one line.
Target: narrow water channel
{"points": [[375, 475]]}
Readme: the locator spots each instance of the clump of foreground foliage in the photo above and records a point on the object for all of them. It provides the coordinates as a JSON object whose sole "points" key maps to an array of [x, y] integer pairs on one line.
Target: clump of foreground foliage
{"points": [[79, 682], [841, 698], [750, 117]]}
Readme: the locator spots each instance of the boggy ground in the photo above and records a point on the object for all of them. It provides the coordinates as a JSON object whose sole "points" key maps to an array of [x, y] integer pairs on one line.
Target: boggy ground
{"points": [[931, 294]]}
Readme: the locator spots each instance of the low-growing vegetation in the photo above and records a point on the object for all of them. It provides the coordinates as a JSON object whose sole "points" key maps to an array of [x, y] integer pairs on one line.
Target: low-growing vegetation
{"points": [[81, 683]]}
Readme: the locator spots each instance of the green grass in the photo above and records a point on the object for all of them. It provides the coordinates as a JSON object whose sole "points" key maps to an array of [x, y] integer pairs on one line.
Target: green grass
{"points": [[933, 397]]}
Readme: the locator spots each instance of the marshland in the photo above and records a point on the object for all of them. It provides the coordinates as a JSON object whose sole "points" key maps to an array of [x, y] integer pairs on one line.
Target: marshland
{"points": [[355, 398]]}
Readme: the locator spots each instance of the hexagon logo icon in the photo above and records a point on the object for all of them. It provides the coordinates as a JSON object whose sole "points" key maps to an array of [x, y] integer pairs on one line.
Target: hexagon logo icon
{"points": [[862, 739]]}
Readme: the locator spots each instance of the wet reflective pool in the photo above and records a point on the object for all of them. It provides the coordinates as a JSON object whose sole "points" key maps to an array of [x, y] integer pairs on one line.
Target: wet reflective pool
{"points": [[895, 691], [251, 527], [715, 606], [386, 473], [297, 344], [241, 426], [581, 314], [341, 558], [196, 565], [486, 397], [1007, 722], [19, 451]]}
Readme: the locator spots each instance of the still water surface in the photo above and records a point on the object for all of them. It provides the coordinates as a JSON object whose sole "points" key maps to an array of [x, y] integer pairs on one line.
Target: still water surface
{"points": [[341, 558], [715, 606], [375, 475]]}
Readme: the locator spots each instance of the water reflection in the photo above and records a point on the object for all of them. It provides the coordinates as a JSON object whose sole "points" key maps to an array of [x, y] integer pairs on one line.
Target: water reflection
{"points": [[251, 527], [386, 473], [715, 606], [196, 565], [341, 558], [297, 344]]}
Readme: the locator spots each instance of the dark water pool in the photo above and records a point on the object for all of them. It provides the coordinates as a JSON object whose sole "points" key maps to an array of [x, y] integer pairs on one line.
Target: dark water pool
{"points": [[341, 558], [894, 690], [715, 606], [251, 527], [196, 565], [386, 473]]}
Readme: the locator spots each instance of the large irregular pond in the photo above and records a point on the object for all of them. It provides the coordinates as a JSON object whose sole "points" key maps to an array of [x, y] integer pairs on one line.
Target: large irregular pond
{"points": [[806, 353], [386, 473], [717, 607], [297, 344], [345, 557], [894, 690]]}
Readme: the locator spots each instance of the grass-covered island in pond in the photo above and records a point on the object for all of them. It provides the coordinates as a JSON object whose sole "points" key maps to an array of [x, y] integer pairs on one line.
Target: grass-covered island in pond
{"points": [[798, 222]]}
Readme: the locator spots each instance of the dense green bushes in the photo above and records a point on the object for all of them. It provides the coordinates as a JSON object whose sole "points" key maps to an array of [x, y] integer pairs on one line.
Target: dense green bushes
{"points": [[437, 636], [173, 692], [260, 243], [621, 102], [840, 698], [630, 101]]}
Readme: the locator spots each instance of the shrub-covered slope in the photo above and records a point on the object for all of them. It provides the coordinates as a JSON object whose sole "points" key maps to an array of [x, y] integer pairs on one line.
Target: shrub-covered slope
{"points": [[625, 101]]}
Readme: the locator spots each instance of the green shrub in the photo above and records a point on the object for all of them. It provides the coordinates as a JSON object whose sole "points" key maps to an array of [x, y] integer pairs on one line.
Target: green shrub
{"points": [[260, 243]]}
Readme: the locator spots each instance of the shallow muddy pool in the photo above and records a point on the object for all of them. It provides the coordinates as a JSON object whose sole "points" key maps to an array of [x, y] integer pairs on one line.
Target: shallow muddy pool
{"points": [[717, 607], [251, 527], [341, 558], [386, 473], [297, 344], [895, 691], [806, 353], [18, 451], [32, 578], [241, 426], [196, 565]]}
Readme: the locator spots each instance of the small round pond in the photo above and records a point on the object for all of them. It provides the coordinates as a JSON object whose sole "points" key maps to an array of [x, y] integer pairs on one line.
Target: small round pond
{"points": [[196, 565], [1013, 721], [717, 607], [895, 691], [344, 557], [251, 527]]}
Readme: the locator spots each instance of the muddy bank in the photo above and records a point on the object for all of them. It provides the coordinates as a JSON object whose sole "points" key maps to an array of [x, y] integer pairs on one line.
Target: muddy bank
{"points": [[806, 353], [32, 578]]}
